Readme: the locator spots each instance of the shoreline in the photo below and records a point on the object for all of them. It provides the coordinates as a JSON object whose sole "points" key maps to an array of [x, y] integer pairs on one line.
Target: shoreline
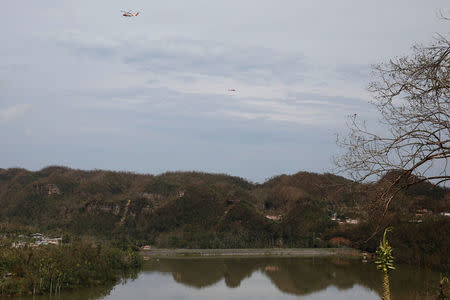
{"points": [[257, 252]]}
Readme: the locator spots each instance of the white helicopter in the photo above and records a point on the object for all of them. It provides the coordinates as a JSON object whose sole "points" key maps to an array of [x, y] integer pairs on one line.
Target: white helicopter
{"points": [[129, 13]]}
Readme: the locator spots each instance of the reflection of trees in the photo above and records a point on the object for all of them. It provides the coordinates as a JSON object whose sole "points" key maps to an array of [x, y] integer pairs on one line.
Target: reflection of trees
{"points": [[84, 293], [404, 277], [305, 276], [239, 269], [98, 292], [201, 273], [292, 275]]}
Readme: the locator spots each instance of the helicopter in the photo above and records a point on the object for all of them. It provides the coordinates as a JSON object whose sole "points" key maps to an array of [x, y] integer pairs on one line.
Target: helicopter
{"points": [[129, 13]]}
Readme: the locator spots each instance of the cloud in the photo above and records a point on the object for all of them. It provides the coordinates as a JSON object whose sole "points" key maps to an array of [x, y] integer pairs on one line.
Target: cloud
{"points": [[300, 112], [253, 65], [13, 112], [348, 72], [169, 104]]}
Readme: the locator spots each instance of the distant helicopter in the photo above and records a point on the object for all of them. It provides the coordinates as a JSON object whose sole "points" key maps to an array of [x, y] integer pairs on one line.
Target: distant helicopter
{"points": [[231, 90], [129, 13]]}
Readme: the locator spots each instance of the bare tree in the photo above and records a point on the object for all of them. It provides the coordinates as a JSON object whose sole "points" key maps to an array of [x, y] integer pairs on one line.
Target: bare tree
{"points": [[412, 95]]}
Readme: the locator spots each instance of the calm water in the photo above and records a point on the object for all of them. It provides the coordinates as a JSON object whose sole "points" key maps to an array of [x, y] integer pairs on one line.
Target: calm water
{"points": [[262, 278]]}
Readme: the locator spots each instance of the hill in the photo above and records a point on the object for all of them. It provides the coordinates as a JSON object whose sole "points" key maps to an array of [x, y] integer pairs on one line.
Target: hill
{"points": [[201, 210]]}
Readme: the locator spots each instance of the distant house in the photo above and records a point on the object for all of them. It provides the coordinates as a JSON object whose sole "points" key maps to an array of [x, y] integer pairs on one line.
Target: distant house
{"points": [[54, 241], [342, 221], [41, 243], [273, 217], [351, 221], [37, 236], [41, 240], [19, 244], [146, 247]]}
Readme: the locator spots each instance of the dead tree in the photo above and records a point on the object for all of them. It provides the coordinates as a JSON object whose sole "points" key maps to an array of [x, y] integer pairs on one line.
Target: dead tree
{"points": [[412, 95]]}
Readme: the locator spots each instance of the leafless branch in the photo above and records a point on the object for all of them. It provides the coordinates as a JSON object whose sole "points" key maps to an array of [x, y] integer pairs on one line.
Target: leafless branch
{"points": [[412, 95]]}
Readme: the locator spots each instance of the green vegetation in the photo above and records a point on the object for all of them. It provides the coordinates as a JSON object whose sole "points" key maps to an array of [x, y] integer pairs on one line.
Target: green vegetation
{"points": [[385, 263], [48, 269], [200, 210], [442, 282]]}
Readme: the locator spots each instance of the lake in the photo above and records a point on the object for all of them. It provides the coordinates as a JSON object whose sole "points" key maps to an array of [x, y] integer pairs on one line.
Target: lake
{"points": [[262, 278]]}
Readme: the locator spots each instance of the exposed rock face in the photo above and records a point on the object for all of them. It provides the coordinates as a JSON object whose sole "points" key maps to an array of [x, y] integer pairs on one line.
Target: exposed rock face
{"points": [[154, 200], [127, 206], [94, 207], [116, 210], [152, 197], [47, 189]]}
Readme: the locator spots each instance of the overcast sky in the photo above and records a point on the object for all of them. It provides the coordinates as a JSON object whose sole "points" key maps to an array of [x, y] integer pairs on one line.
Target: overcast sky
{"points": [[84, 87]]}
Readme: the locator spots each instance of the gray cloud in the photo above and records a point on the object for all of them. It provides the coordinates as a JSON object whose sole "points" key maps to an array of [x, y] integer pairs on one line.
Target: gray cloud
{"points": [[13, 112], [84, 87], [359, 72], [255, 65]]}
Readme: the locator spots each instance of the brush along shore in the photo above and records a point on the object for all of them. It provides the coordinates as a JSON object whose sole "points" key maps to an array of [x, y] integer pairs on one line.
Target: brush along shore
{"points": [[263, 252]]}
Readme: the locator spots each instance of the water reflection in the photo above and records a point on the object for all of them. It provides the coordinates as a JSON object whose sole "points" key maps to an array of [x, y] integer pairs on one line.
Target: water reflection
{"points": [[250, 278], [298, 276], [84, 294]]}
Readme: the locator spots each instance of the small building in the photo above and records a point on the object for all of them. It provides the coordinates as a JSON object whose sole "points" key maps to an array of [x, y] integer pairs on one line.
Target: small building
{"points": [[37, 236], [18, 244], [351, 221], [41, 243], [274, 217], [54, 241]]}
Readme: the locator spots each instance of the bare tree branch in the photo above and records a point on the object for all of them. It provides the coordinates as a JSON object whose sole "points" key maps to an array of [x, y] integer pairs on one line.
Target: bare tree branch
{"points": [[412, 95]]}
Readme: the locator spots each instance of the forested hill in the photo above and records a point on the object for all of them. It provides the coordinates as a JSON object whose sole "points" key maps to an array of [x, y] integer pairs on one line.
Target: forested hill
{"points": [[148, 207], [201, 210]]}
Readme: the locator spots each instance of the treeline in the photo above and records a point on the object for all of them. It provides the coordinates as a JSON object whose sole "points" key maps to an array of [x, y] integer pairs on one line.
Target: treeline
{"points": [[50, 269], [242, 226], [425, 244], [201, 210]]}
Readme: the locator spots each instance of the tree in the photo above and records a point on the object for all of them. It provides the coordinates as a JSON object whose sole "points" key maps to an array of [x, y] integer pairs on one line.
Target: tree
{"points": [[412, 95]]}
